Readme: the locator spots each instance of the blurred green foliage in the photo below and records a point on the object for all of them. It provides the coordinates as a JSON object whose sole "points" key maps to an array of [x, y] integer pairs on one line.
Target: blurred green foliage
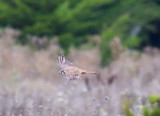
{"points": [[73, 20], [155, 106], [152, 110], [154, 99], [126, 108]]}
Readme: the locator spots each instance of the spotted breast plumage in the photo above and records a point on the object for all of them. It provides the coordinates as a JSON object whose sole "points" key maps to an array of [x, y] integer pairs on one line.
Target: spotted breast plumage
{"points": [[69, 70]]}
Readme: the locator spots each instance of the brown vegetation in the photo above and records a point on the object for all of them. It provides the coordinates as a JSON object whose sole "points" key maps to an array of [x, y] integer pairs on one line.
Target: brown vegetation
{"points": [[30, 84]]}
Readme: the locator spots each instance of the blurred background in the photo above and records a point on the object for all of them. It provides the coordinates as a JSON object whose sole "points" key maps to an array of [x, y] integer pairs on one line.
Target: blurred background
{"points": [[119, 39]]}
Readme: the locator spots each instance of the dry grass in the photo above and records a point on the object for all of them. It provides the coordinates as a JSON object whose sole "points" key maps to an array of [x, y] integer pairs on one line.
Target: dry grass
{"points": [[30, 84]]}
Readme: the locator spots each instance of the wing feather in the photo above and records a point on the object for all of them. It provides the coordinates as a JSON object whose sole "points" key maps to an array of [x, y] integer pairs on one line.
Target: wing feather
{"points": [[64, 62]]}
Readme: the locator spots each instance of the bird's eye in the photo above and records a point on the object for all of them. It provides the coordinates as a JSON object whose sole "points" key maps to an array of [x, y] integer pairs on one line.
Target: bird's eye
{"points": [[63, 72]]}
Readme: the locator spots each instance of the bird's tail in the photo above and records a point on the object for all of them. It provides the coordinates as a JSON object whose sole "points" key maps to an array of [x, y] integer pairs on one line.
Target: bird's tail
{"points": [[87, 72]]}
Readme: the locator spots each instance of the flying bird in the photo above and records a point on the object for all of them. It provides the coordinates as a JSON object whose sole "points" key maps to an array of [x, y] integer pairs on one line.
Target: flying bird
{"points": [[69, 70]]}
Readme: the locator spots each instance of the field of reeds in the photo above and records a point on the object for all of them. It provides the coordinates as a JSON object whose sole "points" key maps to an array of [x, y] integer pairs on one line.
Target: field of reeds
{"points": [[31, 86]]}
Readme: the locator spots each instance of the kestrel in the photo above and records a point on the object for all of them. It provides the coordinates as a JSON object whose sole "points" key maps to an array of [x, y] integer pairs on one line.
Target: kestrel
{"points": [[69, 70]]}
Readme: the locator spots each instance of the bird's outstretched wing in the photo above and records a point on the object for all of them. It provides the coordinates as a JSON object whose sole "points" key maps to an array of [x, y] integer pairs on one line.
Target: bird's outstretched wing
{"points": [[64, 62]]}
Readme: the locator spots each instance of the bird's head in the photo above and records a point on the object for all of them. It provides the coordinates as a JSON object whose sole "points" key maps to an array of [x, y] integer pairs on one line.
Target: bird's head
{"points": [[62, 72]]}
